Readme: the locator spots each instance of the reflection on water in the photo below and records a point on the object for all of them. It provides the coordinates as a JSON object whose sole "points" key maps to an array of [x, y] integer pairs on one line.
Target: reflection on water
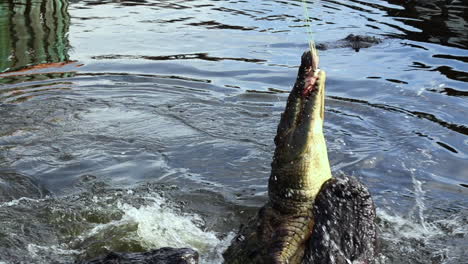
{"points": [[33, 39], [33, 32], [188, 94]]}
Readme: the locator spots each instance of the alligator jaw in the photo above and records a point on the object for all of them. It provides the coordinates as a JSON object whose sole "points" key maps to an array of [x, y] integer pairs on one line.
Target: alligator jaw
{"points": [[300, 164]]}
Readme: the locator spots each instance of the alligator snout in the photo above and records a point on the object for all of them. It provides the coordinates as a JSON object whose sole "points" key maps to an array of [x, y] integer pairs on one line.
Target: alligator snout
{"points": [[309, 71]]}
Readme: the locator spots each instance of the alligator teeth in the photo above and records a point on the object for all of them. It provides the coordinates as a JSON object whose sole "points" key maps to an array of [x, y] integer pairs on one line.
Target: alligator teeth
{"points": [[316, 75]]}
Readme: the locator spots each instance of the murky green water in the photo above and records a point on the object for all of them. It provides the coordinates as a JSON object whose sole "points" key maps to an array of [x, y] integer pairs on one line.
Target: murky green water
{"points": [[129, 125]]}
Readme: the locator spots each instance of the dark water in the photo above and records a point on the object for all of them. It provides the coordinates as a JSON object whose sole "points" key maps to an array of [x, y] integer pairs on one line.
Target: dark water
{"points": [[129, 125]]}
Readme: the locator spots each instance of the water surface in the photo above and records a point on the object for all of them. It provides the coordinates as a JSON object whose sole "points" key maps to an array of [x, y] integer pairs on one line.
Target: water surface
{"points": [[129, 125]]}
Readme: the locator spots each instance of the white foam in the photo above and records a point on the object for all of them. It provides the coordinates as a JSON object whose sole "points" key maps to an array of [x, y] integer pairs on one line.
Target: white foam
{"points": [[159, 225], [406, 228], [43, 254], [18, 201]]}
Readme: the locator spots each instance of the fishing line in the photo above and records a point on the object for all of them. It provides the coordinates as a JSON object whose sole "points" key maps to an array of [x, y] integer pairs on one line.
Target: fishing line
{"points": [[310, 34]]}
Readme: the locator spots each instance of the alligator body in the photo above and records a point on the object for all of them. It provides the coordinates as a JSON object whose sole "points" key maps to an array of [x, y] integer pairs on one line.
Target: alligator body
{"points": [[355, 42], [309, 217]]}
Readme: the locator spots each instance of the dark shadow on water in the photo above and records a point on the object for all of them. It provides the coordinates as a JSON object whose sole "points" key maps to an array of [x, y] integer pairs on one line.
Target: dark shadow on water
{"points": [[454, 127], [450, 92], [193, 56], [440, 21]]}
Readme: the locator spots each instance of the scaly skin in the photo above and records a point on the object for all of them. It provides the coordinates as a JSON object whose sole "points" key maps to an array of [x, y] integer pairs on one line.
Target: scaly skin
{"points": [[280, 231]]}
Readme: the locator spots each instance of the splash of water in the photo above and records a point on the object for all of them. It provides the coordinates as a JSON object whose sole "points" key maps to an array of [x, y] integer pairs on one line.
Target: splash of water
{"points": [[418, 239], [91, 223], [160, 226], [155, 224]]}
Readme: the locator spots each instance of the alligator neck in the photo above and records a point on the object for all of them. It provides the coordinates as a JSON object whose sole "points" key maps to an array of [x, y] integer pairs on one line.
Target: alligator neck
{"points": [[293, 186]]}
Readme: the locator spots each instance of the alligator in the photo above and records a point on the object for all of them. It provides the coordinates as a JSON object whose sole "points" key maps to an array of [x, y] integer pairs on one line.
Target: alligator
{"points": [[309, 217], [356, 42]]}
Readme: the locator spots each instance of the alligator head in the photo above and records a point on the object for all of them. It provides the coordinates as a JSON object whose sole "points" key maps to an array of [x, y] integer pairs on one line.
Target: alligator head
{"points": [[300, 166]]}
